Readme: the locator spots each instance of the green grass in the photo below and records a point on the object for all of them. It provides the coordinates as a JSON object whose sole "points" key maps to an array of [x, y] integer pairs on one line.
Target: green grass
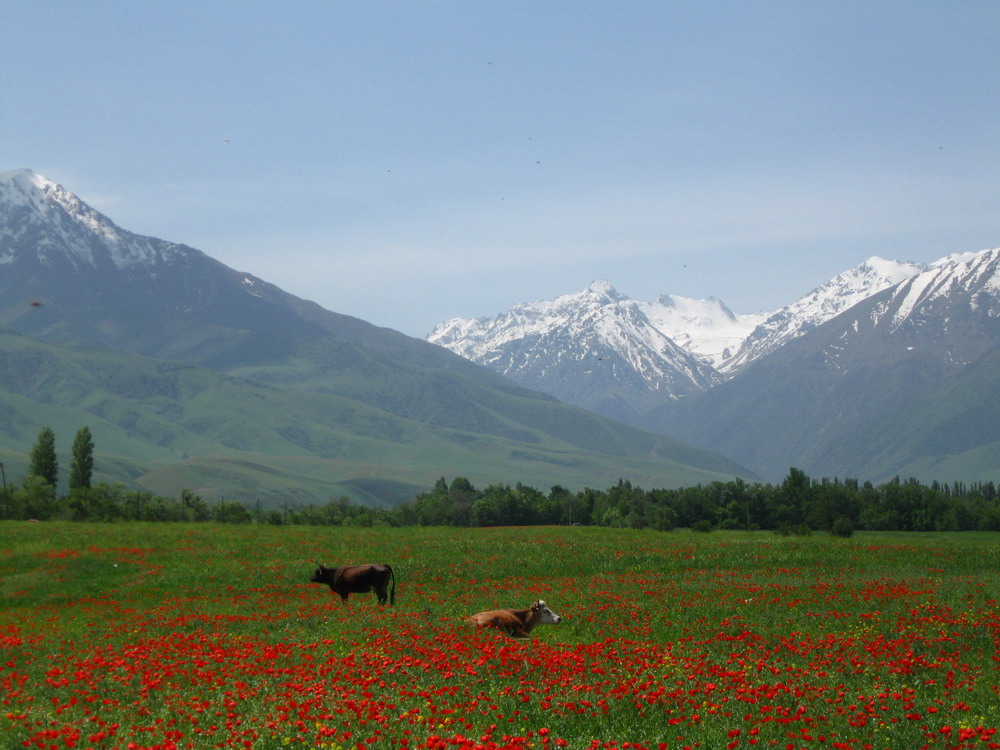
{"points": [[676, 638]]}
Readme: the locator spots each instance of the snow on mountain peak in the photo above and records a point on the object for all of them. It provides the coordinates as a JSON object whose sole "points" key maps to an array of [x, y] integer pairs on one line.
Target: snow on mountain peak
{"points": [[23, 179], [890, 270], [704, 327], [66, 227], [602, 286], [820, 305], [959, 276], [957, 258], [578, 331], [675, 346], [473, 338], [26, 189], [601, 290]]}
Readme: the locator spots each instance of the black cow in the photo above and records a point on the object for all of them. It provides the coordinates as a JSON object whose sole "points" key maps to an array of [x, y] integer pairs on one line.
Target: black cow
{"points": [[357, 579]]}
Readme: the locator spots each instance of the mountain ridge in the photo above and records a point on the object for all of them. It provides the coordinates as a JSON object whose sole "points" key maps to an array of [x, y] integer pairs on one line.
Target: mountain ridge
{"points": [[166, 301], [848, 397], [596, 349], [818, 306], [699, 343], [789, 365]]}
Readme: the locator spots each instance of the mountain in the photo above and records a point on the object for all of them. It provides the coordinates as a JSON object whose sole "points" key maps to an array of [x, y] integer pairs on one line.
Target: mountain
{"points": [[818, 306], [703, 327], [72, 275], [903, 382], [602, 351], [596, 349], [295, 385]]}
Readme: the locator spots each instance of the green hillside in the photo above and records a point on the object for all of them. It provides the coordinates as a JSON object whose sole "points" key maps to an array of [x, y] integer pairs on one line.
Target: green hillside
{"points": [[890, 403], [163, 426], [952, 432]]}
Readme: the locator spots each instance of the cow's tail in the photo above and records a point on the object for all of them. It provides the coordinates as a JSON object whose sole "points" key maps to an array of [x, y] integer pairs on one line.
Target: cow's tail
{"points": [[392, 593]]}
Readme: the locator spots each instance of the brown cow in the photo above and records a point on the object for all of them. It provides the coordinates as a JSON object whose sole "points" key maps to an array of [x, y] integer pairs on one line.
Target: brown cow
{"points": [[517, 623], [357, 579]]}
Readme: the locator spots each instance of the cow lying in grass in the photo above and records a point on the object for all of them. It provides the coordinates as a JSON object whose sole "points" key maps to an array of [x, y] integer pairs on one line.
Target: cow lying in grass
{"points": [[358, 579], [517, 623]]}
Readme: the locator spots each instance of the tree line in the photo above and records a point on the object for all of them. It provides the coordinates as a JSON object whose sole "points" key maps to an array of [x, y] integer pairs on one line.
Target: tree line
{"points": [[35, 497], [798, 505]]}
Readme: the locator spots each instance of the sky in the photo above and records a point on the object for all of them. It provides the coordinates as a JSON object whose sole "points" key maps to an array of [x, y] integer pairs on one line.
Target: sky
{"points": [[411, 162]]}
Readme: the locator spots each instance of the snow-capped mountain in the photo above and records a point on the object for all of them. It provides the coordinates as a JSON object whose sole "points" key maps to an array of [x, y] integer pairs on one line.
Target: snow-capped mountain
{"points": [[818, 306], [70, 274], [904, 382], [596, 349], [703, 327], [965, 284], [337, 388], [45, 215], [572, 346]]}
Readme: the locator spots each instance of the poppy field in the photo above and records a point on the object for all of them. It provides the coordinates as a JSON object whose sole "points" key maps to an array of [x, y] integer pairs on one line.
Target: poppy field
{"points": [[209, 636]]}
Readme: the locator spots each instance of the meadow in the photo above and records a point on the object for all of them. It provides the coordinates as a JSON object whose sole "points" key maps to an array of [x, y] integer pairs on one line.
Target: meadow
{"points": [[203, 636]]}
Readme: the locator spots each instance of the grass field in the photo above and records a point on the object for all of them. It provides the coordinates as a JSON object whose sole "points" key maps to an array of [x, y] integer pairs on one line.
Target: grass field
{"points": [[143, 636]]}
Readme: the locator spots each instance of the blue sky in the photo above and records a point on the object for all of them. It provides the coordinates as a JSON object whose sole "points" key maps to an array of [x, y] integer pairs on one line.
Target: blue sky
{"points": [[409, 162]]}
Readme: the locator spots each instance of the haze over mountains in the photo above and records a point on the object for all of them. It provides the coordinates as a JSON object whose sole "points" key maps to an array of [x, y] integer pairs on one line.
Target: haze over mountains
{"points": [[202, 377], [825, 384], [198, 376]]}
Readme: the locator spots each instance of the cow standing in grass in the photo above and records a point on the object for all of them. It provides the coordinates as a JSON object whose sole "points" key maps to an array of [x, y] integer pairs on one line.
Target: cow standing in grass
{"points": [[517, 623], [358, 579]]}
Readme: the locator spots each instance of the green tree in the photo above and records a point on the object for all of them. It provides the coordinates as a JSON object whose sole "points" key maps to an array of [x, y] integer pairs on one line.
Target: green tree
{"points": [[792, 498], [81, 468], [195, 509], [37, 499], [231, 511], [661, 517], [100, 502], [488, 509], [44, 463]]}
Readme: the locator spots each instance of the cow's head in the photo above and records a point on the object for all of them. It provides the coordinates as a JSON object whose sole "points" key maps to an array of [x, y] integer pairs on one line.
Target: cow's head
{"points": [[322, 574], [545, 615]]}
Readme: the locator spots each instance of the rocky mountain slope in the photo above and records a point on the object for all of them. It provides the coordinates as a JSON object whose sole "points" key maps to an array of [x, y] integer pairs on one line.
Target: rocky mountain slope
{"points": [[596, 349], [903, 382], [823, 303]]}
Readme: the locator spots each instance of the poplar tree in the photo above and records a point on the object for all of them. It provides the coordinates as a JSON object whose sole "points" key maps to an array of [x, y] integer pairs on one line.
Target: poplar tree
{"points": [[43, 457], [82, 466]]}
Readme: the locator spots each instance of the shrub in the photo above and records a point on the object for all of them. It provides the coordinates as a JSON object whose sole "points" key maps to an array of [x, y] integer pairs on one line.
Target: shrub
{"points": [[842, 526]]}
